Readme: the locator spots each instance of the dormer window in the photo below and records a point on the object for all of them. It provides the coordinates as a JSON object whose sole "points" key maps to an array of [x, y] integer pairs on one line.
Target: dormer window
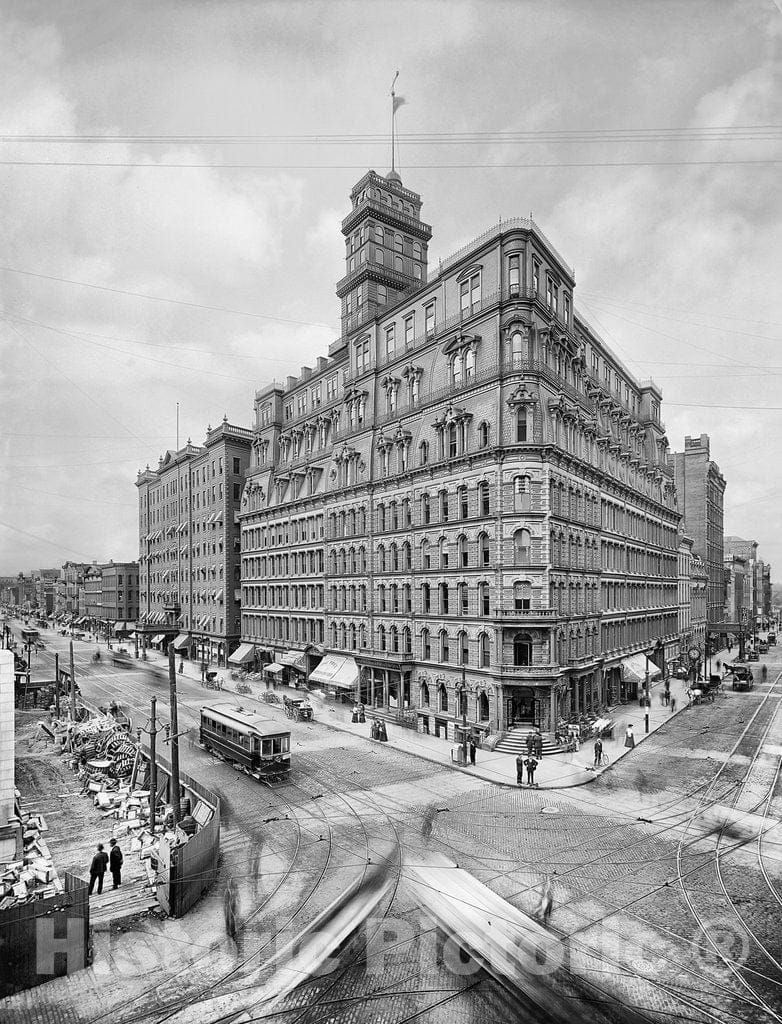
{"points": [[470, 293]]}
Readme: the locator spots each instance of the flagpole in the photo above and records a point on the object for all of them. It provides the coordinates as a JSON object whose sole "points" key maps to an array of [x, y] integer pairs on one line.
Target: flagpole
{"points": [[393, 119]]}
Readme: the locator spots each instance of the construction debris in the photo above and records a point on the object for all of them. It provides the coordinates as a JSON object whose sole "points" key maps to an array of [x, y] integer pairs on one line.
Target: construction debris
{"points": [[34, 876]]}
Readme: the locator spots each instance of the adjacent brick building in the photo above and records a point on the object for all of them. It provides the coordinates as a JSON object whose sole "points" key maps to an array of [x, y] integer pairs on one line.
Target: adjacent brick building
{"points": [[189, 545]]}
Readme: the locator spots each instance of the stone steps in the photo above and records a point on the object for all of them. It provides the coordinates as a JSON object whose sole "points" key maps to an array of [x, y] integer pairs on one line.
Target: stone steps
{"points": [[515, 741]]}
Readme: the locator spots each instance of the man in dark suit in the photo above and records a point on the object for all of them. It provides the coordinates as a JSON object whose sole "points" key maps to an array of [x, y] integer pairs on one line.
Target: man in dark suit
{"points": [[98, 869], [115, 863]]}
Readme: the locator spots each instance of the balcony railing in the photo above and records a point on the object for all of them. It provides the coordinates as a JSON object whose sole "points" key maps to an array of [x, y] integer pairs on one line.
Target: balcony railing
{"points": [[527, 613]]}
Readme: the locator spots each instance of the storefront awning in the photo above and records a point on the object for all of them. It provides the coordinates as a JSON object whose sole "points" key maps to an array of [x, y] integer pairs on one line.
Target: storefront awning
{"points": [[242, 654], [158, 638], [181, 641], [634, 668], [294, 659], [336, 670], [274, 668]]}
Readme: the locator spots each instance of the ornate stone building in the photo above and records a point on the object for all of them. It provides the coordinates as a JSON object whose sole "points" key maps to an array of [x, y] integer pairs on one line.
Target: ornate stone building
{"points": [[469, 500]]}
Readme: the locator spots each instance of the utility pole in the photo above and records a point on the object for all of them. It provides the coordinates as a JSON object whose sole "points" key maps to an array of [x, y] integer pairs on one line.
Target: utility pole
{"points": [[73, 687], [174, 734], [56, 685], [152, 767]]}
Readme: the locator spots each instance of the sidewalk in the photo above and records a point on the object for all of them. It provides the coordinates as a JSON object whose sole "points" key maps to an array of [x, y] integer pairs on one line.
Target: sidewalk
{"points": [[555, 771]]}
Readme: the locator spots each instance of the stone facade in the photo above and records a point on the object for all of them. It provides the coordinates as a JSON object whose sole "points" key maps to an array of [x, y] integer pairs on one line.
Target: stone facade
{"points": [[189, 544], [488, 485], [119, 591]]}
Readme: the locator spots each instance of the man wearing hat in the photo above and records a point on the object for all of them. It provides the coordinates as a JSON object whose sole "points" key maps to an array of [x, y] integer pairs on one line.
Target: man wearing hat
{"points": [[115, 863]]}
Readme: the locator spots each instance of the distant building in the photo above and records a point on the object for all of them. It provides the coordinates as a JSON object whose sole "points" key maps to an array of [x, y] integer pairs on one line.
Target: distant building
{"points": [[735, 583], [748, 551], [189, 545], [699, 600], [119, 593], [700, 490], [685, 583], [93, 594]]}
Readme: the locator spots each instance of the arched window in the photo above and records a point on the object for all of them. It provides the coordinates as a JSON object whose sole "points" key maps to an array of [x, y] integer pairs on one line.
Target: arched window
{"points": [[423, 453], [483, 707], [397, 243], [394, 637], [483, 435], [443, 550], [522, 595], [444, 599], [483, 650], [463, 599], [469, 363], [483, 549], [426, 509], [362, 635], [381, 558], [456, 369], [407, 641], [521, 424], [379, 235], [462, 553], [442, 697], [426, 645], [342, 636], [453, 441], [464, 648], [522, 649], [521, 495], [483, 598], [394, 597], [462, 498], [521, 547], [381, 517], [426, 598], [381, 637], [426, 555], [407, 561], [352, 636], [398, 265], [381, 598], [483, 497], [444, 651], [333, 632], [423, 698], [519, 346], [394, 557]]}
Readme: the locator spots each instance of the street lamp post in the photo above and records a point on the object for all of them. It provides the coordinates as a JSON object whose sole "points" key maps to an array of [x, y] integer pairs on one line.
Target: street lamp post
{"points": [[463, 709]]}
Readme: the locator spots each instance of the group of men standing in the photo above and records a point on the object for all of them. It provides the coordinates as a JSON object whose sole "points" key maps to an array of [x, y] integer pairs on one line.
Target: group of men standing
{"points": [[101, 861]]}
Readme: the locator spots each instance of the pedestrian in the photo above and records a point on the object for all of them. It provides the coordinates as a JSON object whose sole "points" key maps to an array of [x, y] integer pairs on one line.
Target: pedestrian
{"points": [[662, 698], [538, 747], [115, 863], [181, 666], [667, 694], [382, 735], [629, 738], [229, 909], [673, 705], [519, 769], [354, 716], [472, 750], [543, 912], [98, 869], [373, 729], [763, 673], [530, 743], [531, 764], [361, 715], [598, 751]]}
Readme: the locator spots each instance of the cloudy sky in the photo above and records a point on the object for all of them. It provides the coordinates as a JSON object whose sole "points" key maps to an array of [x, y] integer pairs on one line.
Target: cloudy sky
{"points": [[645, 137]]}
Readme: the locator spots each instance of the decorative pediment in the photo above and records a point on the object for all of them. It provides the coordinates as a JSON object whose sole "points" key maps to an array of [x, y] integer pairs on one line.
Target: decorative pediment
{"points": [[452, 414], [522, 396], [476, 268], [461, 341], [345, 453], [402, 436], [390, 382], [411, 372], [354, 394]]}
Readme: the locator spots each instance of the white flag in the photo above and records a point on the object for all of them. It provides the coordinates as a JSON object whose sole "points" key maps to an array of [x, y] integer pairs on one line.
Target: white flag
{"points": [[397, 102]]}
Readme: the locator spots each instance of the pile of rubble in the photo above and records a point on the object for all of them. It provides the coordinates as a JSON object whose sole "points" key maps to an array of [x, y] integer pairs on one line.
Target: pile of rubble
{"points": [[100, 746], [34, 876]]}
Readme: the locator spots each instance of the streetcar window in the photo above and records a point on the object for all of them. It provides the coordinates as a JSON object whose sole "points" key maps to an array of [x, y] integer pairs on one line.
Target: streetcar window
{"points": [[267, 748], [286, 743]]}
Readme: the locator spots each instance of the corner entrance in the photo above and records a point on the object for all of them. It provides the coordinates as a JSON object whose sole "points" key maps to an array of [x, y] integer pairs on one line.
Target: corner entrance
{"points": [[520, 708]]}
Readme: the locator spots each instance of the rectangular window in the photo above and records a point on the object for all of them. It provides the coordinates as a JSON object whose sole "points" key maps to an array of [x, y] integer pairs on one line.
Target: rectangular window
{"points": [[409, 330], [567, 308], [315, 396], [390, 340], [331, 388], [536, 276], [362, 355], [301, 403], [430, 317], [514, 273], [551, 294], [470, 293], [288, 410], [237, 466], [382, 295]]}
